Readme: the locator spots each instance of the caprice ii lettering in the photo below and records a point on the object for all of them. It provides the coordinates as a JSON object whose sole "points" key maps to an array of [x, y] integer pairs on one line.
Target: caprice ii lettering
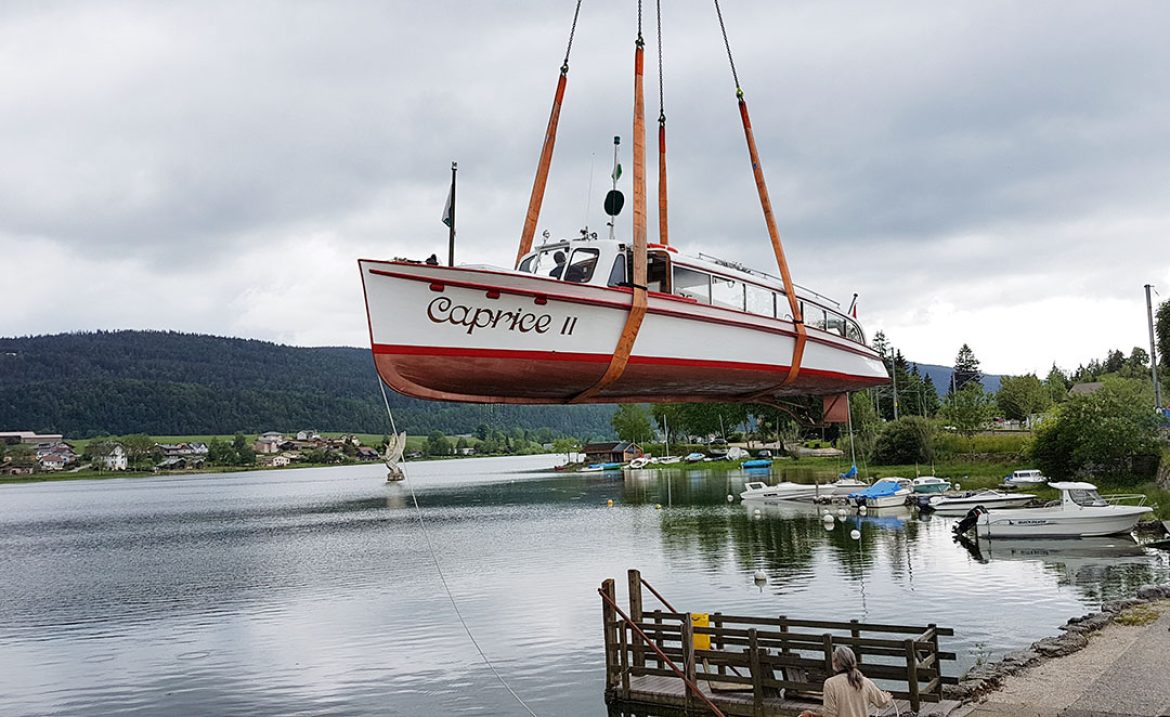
{"points": [[443, 310]]}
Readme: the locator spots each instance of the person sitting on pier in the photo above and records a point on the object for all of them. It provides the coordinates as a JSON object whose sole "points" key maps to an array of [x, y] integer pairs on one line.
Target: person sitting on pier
{"points": [[848, 693]]}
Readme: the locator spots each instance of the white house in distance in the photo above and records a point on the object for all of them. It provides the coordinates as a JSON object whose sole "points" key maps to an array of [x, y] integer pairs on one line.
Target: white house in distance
{"points": [[115, 460], [268, 443]]}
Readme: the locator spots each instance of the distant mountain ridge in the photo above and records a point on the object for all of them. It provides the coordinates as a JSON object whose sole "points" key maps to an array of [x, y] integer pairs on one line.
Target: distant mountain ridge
{"points": [[171, 383], [941, 376]]}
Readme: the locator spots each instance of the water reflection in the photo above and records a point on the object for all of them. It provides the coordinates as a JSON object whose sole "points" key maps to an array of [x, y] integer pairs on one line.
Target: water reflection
{"points": [[315, 591]]}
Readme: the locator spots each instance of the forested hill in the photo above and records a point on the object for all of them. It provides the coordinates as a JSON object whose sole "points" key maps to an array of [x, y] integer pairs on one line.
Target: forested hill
{"points": [[168, 383]]}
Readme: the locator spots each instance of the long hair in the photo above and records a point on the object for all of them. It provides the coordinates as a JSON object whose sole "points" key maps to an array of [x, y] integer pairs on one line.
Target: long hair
{"points": [[845, 661]]}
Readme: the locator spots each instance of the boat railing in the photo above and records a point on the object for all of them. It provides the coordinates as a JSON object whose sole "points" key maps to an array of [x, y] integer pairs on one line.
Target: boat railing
{"points": [[1131, 499]]}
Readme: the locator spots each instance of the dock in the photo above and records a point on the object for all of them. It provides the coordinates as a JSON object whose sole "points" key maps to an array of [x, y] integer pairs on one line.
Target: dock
{"points": [[721, 664]]}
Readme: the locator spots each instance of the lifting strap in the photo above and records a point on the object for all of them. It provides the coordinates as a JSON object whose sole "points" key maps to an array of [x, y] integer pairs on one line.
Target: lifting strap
{"points": [[769, 219], [546, 152], [625, 344]]}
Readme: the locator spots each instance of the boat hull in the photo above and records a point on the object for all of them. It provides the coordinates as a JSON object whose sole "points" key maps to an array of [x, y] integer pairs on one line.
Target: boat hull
{"points": [[1058, 523], [485, 335], [960, 506]]}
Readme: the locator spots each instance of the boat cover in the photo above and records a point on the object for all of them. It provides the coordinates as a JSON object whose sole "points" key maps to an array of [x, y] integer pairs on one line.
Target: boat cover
{"points": [[877, 490]]}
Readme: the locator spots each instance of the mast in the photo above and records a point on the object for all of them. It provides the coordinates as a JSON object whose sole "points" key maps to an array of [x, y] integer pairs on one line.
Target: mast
{"points": [[1153, 351]]}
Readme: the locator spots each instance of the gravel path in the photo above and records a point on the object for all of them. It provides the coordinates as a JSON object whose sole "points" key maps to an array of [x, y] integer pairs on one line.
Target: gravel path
{"points": [[1123, 671]]}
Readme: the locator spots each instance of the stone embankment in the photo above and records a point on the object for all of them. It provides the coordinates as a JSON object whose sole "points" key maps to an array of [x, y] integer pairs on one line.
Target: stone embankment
{"points": [[1106, 663]]}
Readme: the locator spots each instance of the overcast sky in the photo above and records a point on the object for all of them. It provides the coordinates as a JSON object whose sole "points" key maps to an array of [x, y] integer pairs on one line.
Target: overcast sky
{"points": [[996, 173]]}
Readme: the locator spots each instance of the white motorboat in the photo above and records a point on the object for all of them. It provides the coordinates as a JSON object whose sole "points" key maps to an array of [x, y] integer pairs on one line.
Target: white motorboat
{"points": [[931, 484], [960, 504], [785, 490], [843, 486], [884, 493], [666, 460], [1029, 478], [1082, 513]]}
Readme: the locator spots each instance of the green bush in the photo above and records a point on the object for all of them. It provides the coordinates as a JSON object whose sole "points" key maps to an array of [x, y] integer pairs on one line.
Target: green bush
{"points": [[904, 441], [1011, 446], [1111, 434]]}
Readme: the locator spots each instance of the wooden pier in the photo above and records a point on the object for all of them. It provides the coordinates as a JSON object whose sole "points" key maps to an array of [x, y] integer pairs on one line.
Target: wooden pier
{"points": [[665, 661]]}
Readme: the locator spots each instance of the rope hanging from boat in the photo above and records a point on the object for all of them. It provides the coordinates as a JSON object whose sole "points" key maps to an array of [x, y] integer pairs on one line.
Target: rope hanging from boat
{"points": [[439, 569], [546, 152], [625, 344], [663, 232], [769, 217]]}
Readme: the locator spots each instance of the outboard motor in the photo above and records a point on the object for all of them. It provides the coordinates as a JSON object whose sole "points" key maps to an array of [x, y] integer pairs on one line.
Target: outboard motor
{"points": [[965, 525]]}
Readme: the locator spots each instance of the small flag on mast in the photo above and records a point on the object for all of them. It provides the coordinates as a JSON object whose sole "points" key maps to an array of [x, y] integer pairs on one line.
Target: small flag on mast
{"points": [[617, 172], [448, 210]]}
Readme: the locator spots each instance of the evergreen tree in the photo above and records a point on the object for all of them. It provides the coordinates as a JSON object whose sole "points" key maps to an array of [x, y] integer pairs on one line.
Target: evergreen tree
{"points": [[966, 370], [1114, 361], [1057, 384], [930, 399], [1162, 332]]}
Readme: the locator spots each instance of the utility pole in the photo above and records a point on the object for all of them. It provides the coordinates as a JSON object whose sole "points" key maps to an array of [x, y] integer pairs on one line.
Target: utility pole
{"points": [[894, 373], [1153, 350]]}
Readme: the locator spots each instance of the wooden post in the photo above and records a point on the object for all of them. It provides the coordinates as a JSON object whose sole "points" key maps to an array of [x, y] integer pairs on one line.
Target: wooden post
{"points": [[609, 625], [855, 632], [757, 673], [912, 674], [827, 642], [625, 662], [688, 651], [937, 661], [784, 634], [634, 578], [717, 621], [658, 637]]}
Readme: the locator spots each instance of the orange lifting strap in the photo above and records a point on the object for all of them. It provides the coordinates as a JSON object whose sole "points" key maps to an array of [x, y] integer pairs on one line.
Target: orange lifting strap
{"points": [[625, 344], [774, 234], [546, 152]]}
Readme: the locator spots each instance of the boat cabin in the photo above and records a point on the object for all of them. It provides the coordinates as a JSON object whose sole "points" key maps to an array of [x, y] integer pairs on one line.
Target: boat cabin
{"points": [[1027, 476], [703, 280], [1082, 495]]}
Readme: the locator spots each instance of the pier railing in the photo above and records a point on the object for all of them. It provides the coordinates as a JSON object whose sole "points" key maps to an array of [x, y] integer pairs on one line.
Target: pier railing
{"points": [[758, 657]]}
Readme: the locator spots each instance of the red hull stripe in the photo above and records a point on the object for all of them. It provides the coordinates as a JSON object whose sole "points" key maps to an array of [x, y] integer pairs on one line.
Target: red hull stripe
{"points": [[572, 357]]}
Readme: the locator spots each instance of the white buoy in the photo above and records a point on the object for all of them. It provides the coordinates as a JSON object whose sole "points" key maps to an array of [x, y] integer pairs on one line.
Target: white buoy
{"points": [[761, 576], [827, 517], [841, 518], [855, 534], [657, 506], [840, 511], [829, 525], [730, 497], [958, 487], [863, 510]]}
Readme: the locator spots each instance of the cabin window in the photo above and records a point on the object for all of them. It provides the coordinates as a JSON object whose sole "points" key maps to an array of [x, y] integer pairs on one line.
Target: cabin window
{"points": [[526, 265], [617, 274], [1087, 498], [584, 262], [727, 292], [853, 332], [692, 284], [658, 273], [835, 323], [759, 300], [814, 316]]}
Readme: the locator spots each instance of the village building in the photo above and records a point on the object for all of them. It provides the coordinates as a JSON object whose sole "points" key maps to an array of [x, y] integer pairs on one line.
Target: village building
{"points": [[613, 452], [308, 435], [30, 437], [277, 461]]}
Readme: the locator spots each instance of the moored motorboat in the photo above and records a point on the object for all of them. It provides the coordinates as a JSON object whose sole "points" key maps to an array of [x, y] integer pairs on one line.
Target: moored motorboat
{"points": [[694, 457], [601, 467], [757, 463], [1082, 513], [960, 504], [931, 484], [1030, 478], [785, 490], [666, 460], [884, 493]]}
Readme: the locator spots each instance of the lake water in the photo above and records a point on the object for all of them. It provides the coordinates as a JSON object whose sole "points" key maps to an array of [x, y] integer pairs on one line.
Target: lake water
{"points": [[313, 592]]}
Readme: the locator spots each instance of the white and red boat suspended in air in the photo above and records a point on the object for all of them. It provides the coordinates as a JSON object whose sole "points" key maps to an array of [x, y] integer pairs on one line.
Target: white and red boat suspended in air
{"points": [[591, 320]]}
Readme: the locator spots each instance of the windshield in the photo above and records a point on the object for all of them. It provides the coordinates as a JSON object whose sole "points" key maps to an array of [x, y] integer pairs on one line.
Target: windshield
{"points": [[1087, 498]]}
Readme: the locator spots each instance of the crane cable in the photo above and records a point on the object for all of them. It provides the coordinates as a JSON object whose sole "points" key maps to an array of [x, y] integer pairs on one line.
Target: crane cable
{"points": [[546, 151], [770, 220], [439, 569], [663, 230]]}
